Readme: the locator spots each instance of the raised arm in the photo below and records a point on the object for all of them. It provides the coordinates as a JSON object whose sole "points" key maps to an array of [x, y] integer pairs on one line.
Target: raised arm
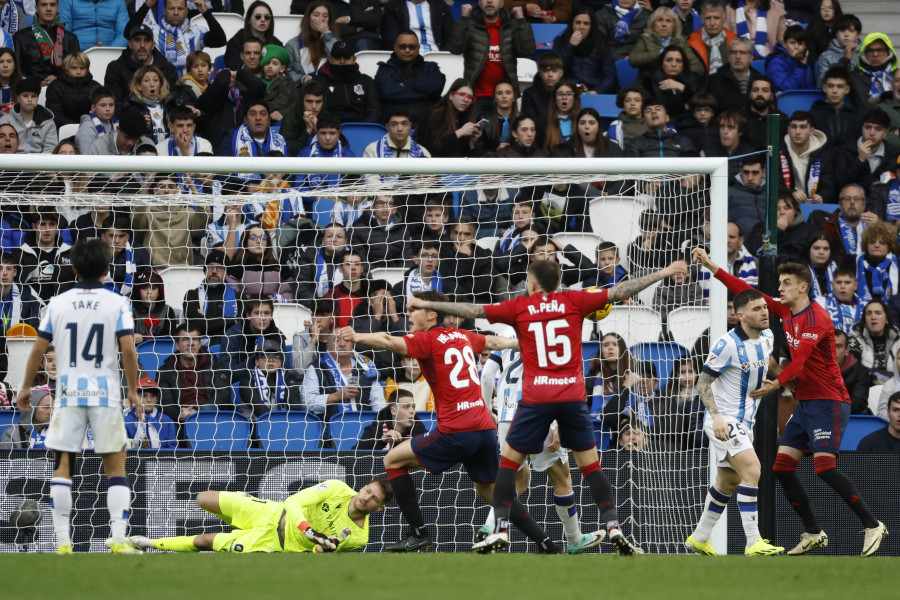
{"points": [[629, 288], [496, 342], [378, 341], [734, 284], [457, 309], [704, 387]]}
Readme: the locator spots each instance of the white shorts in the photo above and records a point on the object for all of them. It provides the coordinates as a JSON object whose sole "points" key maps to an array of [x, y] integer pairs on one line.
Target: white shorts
{"points": [[69, 424], [539, 462], [741, 438]]}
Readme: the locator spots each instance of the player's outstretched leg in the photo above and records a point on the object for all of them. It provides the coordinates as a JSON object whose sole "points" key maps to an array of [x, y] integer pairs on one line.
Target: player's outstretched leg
{"points": [[182, 543], [567, 509], [785, 469], [523, 478], [602, 492], [397, 463], [61, 500]]}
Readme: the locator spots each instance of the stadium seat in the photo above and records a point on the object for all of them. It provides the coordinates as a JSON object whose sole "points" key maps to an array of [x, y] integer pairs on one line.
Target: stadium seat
{"points": [[859, 427], [636, 324], [368, 60], [219, 62], [100, 57], [588, 331], [627, 74], [545, 33], [153, 352], [589, 350], [485, 325], [7, 418], [603, 435], [874, 398], [759, 65], [393, 275], [217, 430], [661, 354], [279, 8], [178, 281], [456, 8], [281, 430], [685, 324], [808, 208], [488, 242], [289, 318], [287, 26], [321, 210], [526, 69], [793, 100], [586, 243], [427, 418], [346, 428], [605, 104], [645, 296], [18, 350], [451, 65], [230, 22], [68, 130], [360, 135], [616, 220]]}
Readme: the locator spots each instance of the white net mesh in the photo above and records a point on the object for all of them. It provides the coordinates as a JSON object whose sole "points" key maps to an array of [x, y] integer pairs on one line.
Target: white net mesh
{"points": [[347, 249]]}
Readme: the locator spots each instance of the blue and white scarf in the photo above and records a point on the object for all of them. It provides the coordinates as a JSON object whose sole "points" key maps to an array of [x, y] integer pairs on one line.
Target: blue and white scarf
{"points": [[9, 16], [893, 200], [261, 382], [884, 277], [565, 128], [340, 380], [843, 315], [173, 150], [243, 144], [624, 23], [229, 301], [696, 19], [36, 439], [384, 149], [324, 283], [177, 42], [850, 235], [100, 127], [509, 239], [130, 269], [11, 308], [881, 80], [415, 283], [760, 43], [816, 290]]}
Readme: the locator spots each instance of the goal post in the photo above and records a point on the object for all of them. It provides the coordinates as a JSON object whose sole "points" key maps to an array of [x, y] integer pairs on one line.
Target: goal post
{"points": [[659, 491]]}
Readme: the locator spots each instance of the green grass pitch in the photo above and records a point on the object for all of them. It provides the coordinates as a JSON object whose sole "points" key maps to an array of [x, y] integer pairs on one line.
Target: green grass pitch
{"points": [[442, 576]]}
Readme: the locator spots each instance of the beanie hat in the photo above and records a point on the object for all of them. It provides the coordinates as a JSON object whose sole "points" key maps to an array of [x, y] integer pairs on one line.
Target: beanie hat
{"points": [[275, 51]]}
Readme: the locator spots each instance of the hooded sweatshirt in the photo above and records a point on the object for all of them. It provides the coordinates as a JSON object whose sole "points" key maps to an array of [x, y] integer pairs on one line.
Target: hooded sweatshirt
{"points": [[801, 162]]}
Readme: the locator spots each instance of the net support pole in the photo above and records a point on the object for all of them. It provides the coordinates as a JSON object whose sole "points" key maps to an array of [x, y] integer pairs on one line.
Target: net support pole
{"points": [[766, 442]]}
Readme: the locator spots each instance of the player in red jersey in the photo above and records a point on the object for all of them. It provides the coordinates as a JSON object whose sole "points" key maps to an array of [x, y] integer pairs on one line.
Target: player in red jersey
{"points": [[823, 411], [548, 326], [465, 431]]}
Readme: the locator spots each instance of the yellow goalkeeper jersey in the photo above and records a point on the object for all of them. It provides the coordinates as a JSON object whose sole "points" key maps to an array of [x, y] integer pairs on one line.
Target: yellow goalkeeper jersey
{"points": [[325, 506]]}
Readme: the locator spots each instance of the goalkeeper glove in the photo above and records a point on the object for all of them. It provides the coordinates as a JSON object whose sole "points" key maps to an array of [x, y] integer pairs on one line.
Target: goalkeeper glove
{"points": [[326, 543]]}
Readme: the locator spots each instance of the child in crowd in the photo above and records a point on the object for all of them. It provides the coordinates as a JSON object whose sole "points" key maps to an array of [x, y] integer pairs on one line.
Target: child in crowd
{"points": [[152, 316], [267, 385], [153, 431], [33, 123], [281, 93], [790, 70], [536, 99], [564, 105], [841, 302], [348, 209], [69, 95], [610, 271], [9, 77], [99, 121], [630, 123]]}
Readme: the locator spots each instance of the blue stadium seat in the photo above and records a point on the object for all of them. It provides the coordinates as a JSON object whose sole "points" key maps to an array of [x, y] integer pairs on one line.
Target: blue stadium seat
{"points": [[360, 135], [605, 104], [603, 435], [456, 8], [428, 419], [7, 418], [346, 428], [545, 33], [859, 427], [794, 100], [321, 212], [627, 74], [289, 430], [152, 353], [217, 430], [219, 63], [662, 354], [588, 351], [807, 209], [759, 65]]}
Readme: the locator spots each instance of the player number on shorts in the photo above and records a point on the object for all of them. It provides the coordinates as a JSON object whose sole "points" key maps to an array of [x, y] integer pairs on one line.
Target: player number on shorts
{"points": [[457, 358], [732, 427], [94, 338], [546, 341]]}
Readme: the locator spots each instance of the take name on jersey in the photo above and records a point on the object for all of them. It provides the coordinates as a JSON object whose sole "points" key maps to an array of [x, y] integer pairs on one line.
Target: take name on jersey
{"points": [[738, 365]]}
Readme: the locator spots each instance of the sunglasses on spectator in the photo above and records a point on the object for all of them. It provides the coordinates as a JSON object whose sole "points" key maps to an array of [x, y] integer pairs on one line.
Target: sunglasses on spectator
{"points": [[407, 46], [258, 238], [259, 16], [464, 96]]}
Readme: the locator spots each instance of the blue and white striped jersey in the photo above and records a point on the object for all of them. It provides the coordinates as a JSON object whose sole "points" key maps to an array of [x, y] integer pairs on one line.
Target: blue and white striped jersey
{"points": [[739, 366], [85, 324], [509, 380]]}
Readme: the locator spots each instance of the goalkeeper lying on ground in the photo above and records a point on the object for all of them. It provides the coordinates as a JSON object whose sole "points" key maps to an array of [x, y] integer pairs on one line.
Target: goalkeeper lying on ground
{"points": [[329, 517]]}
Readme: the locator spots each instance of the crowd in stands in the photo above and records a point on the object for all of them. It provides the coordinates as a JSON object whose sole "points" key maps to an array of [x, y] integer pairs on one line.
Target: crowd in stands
{"points": [[708, 75]]}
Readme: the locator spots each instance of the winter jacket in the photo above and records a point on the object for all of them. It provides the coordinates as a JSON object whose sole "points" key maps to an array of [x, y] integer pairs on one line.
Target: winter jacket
{"points": [[861, 80], [353, 97], [158, 322], [415, 86], [31, 306], [160, 432], [240, 343], [489, 214], [167, 234], [156, 131], [704, 138], [68, 98], [372, 436], [254, 280], [791, 240], [788, 73], [281, 94], [213, 377], [208, 35], [665, 143], [470, 38], [849, 169], [364, 24], [448, 145], [695, 41], [856, 380], [48, 273], [606, 25], [30, 59], [816, 158], [746, 206], [120, 72], [95, 21], [756, 127], [214, 321], [235, 46], [396, 19], [535, 104], [595, 70], [41, 137], [675, 100], [382, 247], [717, 149], [891, 106], [863, 348], [216, 107], [725, 87], [469, 278], [646, 51], [841, 126], [834, 57], [252, 404], [301, 63]]}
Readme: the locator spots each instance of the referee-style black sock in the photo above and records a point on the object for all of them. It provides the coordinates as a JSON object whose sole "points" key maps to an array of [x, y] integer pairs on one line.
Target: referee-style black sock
{"points": [[845, 488], [520, 517], [504, 493], [405, 493], [797, 496], [602, 493]]}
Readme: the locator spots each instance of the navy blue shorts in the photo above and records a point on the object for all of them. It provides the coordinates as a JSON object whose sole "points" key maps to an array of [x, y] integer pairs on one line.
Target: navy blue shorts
{"points": [[532, 422], [476, 450], [817, 426]]}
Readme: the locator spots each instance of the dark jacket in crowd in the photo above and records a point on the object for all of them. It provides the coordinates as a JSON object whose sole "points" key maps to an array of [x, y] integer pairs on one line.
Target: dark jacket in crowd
{"points": [[841, 126], [252, 404], [381, 246], [120, 72], [856, 380], [371, 437], [396, 19], [207, 385], [414, 86], [31, 60], [214, 322], [657, 144], [726, 88], [68, 98], [351, 96], [849, 169], [364, 24], [596, 70]]}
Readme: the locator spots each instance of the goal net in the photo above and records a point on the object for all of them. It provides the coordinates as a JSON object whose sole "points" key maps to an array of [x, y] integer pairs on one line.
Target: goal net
{"points": [[238, 270]]}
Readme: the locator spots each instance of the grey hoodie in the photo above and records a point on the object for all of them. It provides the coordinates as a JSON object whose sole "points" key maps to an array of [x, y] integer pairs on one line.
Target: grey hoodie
{"points": [[41, 137]]}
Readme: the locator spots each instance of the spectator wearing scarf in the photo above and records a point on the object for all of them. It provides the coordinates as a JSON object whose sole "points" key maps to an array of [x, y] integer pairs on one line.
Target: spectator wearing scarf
{"points": [[424, 277], [760, 21], [41, 48], [328, 142], [31, 430], [18, 303], [267, 385], [877, 269], [255, 137], [154, 430], [875, 342], [841, 301], [396, 143], [213, 305], [13, 15], [621, 24], [874, 73], [711, 41]]}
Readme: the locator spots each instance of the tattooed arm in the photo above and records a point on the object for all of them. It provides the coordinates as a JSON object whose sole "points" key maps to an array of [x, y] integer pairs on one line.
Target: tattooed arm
{"points": [[629, 288], [457, 309], [704, 386]]}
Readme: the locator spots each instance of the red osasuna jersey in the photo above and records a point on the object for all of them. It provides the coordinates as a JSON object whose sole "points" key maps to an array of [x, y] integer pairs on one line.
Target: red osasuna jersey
{"points": [[548, 327], [448, 359]]}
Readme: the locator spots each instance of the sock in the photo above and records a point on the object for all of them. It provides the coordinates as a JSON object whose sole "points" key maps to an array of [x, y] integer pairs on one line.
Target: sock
{"points": [[522, 519], [118, 501], [489, 522], [602, 493], [504, 493], [61, 505], [405, 494], [840, 483], [715, 506], [785, 469], [568, 514], [182, 543], [747, 499]]}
